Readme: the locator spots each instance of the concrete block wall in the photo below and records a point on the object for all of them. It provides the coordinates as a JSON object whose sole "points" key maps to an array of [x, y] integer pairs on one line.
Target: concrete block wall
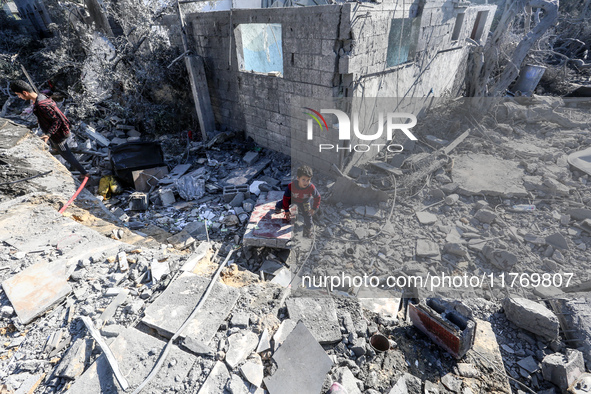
{"points": [[328, 52], [264, 105]]}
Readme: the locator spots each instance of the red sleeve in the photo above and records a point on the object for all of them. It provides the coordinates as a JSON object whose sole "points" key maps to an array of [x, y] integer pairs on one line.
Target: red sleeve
{"points": [[287, 198]]}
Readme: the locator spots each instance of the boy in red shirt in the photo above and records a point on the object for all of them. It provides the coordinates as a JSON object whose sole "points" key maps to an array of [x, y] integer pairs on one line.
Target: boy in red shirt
{"points": [[302, 192]]}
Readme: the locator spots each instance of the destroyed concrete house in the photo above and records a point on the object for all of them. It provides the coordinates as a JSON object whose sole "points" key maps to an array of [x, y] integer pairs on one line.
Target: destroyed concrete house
{"points": [[262, 64]]}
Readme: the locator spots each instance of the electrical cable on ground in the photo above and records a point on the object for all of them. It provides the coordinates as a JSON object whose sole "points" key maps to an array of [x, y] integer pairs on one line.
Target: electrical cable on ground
{"points": [[26, 179]]}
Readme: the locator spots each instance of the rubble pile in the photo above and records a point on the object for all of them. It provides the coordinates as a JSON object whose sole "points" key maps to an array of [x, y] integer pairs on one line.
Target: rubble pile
{"points": [[141, 267]]}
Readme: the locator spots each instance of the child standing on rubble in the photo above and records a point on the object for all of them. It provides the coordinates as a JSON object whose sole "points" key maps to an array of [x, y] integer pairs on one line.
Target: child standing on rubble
{"points": [[52, 121], [302, 192]]}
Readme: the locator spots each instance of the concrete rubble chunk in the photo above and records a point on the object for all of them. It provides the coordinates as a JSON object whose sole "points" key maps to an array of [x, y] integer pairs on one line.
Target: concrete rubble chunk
{"points": [[216, 380], [485, 216], [468, 370], [346, 378], [427, 248], [36, 289], [426, 217], [159, 269], [531, 316], [253, 370], [557, 240], [318, 314], [302, 364], [407, 384], [73, 363], [452, 383], [500, 258], [250, 157], [563, 370], [241, 345]]}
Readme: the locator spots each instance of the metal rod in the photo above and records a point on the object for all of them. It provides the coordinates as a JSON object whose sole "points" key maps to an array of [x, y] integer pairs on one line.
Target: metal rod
{"points": [[166, 349]]}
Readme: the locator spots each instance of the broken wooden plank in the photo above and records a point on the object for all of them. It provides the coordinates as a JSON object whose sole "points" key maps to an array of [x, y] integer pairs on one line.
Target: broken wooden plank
{"points": [[72, 364], [89, 131], [106, 351], [110, 311], [200, 90], [456, 142]]}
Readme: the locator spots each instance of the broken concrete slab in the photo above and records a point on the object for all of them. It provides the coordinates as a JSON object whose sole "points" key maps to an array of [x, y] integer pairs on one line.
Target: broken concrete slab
{"points": [[563, 370], [485, 174], [36, 289], [136, 353], [302, 364], [485, 216], [242, 176], [11, 133], [486, 350], [216, 380], [265, 227], [175, 174], [347, 191], [169, 311], [318, 314], [531, 316], [240, 346]]}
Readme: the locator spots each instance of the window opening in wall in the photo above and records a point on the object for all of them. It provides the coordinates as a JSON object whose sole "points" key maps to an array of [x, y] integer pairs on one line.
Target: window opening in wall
{"points": [[478, 29], [259, 48], [458, 27], [402, 40]]}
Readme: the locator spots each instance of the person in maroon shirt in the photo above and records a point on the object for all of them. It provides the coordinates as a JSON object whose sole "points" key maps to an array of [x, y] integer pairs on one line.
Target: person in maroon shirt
{"points": [[52, 121], [300, 193]]}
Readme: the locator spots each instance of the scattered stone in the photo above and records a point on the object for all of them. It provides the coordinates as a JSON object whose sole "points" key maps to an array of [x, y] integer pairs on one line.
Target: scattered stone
{"points": [[529, 364], [427, 248], [74, 362], [452, 199], [240, 320], [345, 377], [557, 240], [216, 380], [253, 370], [452, 383], [501, 259], [485, 216], [250, 157], [283, 332], [239, 348], [407, 384], [563, 370], [426, 217]]}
